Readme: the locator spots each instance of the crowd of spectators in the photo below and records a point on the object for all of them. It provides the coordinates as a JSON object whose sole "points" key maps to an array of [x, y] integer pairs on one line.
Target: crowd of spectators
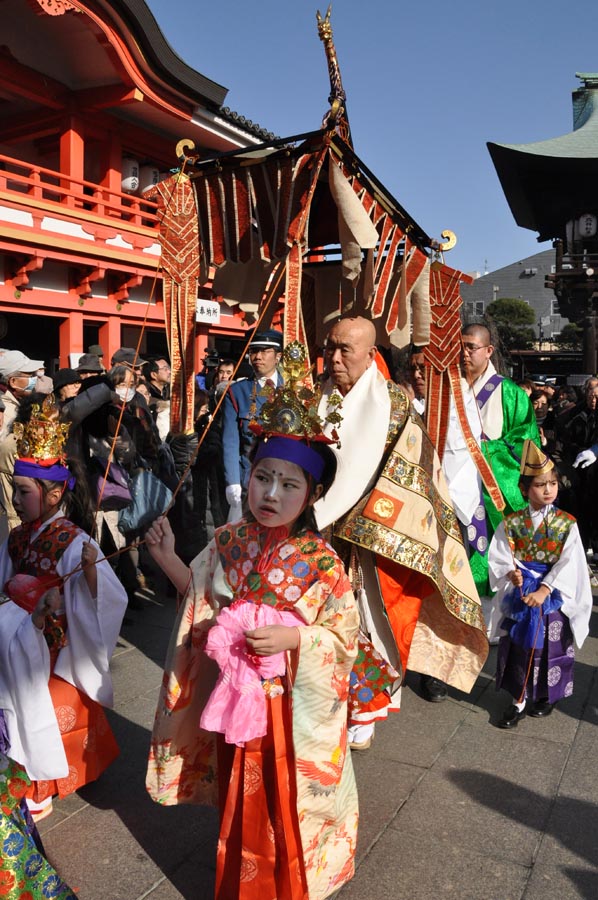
{"points": [[123, 411], [567, 418]]}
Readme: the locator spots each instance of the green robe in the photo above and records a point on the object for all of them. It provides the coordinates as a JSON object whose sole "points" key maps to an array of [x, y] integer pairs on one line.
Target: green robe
{"points": [[504, 456]]}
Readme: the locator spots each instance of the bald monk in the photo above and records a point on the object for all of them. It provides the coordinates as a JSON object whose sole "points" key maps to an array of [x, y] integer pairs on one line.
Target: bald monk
{"points": [[393, 523]]}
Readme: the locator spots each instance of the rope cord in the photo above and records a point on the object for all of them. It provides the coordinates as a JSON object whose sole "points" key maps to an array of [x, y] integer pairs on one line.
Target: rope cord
{"points": [[271, 294]]}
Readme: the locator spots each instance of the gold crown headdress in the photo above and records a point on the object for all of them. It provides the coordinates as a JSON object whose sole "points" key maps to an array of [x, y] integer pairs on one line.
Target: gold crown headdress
{"points": [[534, 461], [291, 410], [43, 437]]}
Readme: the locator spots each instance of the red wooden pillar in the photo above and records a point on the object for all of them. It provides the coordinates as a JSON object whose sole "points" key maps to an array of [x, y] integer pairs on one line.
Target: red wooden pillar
{"points": [[201, 345], [112, 169], [110, 338], [70, 335], [72, 150]]}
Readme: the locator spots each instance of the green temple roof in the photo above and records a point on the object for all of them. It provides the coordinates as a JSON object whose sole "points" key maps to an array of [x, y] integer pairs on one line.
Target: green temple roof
{"points": [[546, 183]]}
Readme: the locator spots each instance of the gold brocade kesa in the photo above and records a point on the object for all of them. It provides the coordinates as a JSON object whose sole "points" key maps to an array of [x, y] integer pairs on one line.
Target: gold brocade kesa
{"points": [[292, 409], [43, 437]]}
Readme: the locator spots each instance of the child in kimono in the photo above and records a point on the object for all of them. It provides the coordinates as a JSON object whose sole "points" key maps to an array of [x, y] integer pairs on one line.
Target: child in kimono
{"points": [[252, 715], [54, 670], [538, 567]]}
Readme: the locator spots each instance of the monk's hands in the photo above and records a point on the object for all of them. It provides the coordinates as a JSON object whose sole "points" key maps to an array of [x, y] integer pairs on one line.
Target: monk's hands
{"points": [[47, 604], [271, 639]]}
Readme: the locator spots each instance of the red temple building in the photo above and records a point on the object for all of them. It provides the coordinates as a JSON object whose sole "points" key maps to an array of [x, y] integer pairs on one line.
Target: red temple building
{"points": [[93, 102]]}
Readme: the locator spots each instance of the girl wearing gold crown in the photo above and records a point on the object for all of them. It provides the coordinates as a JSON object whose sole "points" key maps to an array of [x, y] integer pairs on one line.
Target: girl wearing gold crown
{"points": [[60, 617], [538, 566], [252, 715]]}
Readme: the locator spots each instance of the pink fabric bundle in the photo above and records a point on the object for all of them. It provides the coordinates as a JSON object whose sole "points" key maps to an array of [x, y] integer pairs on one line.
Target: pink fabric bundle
{"points": [[237, 705]]}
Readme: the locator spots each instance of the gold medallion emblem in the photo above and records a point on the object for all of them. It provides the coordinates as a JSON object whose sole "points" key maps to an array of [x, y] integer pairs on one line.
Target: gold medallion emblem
{"points": [[384, 508]]}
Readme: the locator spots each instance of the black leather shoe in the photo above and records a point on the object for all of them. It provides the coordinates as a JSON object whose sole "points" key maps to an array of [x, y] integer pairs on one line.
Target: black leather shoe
{"points": [[511, 717], [433, 690], [541, 709]]}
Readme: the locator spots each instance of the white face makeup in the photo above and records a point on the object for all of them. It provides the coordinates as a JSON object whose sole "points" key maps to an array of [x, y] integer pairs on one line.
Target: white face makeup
{"points": [[278, 492]]}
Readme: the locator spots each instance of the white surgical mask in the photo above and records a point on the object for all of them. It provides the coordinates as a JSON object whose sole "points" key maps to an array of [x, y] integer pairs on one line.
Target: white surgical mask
{"points": [[125, 393], [31, 383]]}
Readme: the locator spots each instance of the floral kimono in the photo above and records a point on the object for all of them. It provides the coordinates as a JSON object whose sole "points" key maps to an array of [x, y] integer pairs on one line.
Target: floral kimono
{"points": [[546, 547], [25, 873], [287, 799]]}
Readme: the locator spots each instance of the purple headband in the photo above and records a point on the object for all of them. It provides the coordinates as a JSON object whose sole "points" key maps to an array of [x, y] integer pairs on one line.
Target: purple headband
{"points": [[56, 472], [293, 451]]}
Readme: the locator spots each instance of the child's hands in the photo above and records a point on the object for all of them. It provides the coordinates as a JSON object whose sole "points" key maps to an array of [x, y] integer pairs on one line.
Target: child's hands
{"points": [[89, 555], [271, 639], [159, 538], [46, 605], [515, 577], [536, 598]]}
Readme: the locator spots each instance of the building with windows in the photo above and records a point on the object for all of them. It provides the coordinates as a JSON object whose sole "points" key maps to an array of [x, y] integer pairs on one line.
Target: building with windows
{"points": [[522, 280], [93, 102]]}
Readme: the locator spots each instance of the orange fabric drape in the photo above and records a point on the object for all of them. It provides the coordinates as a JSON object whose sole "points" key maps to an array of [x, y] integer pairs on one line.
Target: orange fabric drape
{"points": [[88, 741], [403, 592], [259, 847], [382, 367]]}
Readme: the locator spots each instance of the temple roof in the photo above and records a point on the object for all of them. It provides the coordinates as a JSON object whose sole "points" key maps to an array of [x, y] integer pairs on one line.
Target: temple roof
{"points": [[546, 183], [108, 58], [146, 30]]}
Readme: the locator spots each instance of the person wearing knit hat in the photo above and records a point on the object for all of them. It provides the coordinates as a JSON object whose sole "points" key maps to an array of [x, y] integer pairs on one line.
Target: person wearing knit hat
{"points": [[538, 568], [66, 384]]}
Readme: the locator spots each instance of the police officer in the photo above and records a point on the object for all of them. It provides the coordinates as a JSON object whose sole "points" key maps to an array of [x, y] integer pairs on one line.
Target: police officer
{"points": [[242, 400]]}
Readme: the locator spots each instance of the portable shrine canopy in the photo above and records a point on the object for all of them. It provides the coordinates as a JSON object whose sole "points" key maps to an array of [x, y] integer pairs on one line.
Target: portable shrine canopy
{"points": [[306, 221]]}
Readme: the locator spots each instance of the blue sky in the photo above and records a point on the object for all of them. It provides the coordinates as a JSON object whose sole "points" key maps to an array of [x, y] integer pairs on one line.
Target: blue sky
{"points": [[427, 86]]}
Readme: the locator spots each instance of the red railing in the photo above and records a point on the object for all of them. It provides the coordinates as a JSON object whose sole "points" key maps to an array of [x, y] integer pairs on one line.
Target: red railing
{"points": [[46, 185]]}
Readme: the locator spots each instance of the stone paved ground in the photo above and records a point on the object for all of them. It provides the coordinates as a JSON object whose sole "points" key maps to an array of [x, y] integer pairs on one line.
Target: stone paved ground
{"points": [[451, 807]]}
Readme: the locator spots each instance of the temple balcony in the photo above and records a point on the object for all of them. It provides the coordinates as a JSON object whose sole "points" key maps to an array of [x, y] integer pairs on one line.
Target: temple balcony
{"points": [[59, 214]]}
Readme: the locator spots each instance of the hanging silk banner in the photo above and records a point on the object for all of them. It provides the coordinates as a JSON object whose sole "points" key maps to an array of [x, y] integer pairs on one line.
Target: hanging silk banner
{"points": [[179, 237]]}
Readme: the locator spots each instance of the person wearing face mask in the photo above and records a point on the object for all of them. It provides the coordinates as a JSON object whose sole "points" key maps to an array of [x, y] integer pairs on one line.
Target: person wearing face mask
{"points": [[135, 442], [18, 379]]}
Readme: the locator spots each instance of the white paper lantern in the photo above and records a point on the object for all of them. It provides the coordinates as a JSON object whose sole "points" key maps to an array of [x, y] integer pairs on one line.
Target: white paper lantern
{"points": [[148, 177], [130, 176], [585, 226]]}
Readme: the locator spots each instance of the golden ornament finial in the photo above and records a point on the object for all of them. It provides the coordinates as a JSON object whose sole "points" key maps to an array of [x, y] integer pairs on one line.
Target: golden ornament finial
{"points": [[292, 409], [43, 437]]}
